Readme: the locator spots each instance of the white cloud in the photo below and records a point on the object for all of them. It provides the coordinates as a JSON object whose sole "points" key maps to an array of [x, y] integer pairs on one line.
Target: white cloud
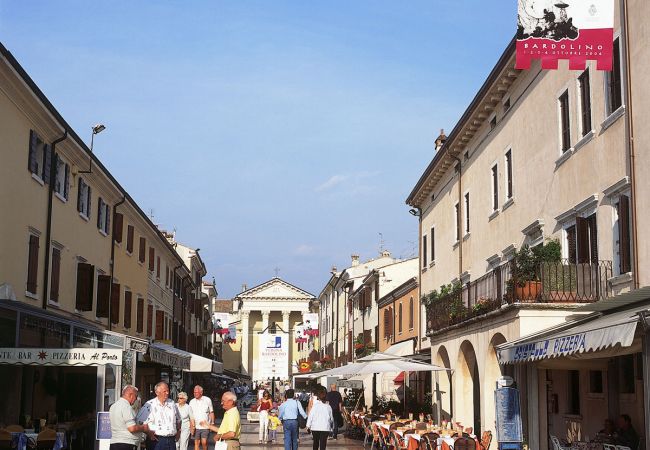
{"points": [[331, 182]]}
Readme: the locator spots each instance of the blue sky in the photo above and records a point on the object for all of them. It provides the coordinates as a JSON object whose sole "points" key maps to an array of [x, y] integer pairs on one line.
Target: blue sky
{"points": [[270, 133]]}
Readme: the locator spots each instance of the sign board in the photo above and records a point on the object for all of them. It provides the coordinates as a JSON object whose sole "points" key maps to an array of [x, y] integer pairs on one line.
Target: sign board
{"points": [[273, 356], [299, 334], [61, 356], [103, 425], [169, 359], [221, 322], [576, 30], [508, 415], [354, 384], [310, 323]]}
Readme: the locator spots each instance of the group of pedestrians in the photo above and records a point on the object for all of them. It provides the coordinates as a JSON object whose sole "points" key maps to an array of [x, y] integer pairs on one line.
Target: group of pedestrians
{"points": [[168, 425]]}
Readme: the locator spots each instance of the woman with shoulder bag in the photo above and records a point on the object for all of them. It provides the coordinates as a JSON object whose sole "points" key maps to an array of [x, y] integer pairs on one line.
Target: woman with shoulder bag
{"points": [[320, 420]]}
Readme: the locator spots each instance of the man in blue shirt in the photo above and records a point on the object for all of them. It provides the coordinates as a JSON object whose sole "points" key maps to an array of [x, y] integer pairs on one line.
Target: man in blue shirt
{"points": [[288, 414]]}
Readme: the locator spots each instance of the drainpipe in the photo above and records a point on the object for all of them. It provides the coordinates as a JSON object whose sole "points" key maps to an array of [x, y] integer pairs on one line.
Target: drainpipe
{"points": [[112, 263], [629, 128], [420, 278], [48, 231], [459, 222]]}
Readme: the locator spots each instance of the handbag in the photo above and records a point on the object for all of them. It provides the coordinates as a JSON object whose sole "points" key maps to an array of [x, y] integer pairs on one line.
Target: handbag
{"points": [[338, 418], [302, 422], [220, 445]]}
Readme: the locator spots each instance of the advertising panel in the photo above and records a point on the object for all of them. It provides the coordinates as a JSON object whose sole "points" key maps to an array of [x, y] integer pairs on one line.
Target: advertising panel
{"points": [[310, 323]]}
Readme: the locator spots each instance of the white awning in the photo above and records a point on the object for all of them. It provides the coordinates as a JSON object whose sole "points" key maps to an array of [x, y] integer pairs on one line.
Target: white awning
{"points": [[189, 362], [593, 333], [400, 349]]}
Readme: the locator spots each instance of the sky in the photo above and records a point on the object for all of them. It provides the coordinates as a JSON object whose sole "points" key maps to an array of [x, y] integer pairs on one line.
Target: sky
{"points": [[270, 134]]}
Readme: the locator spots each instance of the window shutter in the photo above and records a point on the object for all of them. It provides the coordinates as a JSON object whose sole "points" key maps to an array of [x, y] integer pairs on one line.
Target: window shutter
{"points": [[158, 267], [593, 238], [115, 303], [56, 270], [386, 319], [127, 309], [140, 316], [149, 319], [160, 323], [47, 163], [411, 313], [103, 295], [31, 161], [129, 238], [118, 225], [100, 212], [152, 254], [582, 240], [66, 182], [400, 317], [625, 263], [141, 251], [571, 243], [32, 264], [85, 284], [367, 336], [107, 211], [89, 201]]}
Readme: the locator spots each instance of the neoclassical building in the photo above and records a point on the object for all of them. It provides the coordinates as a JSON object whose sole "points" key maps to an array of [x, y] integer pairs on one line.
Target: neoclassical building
{"points": [[271, 308]]}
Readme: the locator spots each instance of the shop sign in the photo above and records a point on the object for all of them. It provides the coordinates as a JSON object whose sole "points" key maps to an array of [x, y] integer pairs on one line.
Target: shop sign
{"points": [[550, 348], [576, 30], [61, 356], [169, 359]]}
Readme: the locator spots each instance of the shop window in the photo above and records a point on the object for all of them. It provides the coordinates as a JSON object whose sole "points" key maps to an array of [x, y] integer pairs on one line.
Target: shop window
{"points": [[573, 397], [626, 374], [596, 382]]}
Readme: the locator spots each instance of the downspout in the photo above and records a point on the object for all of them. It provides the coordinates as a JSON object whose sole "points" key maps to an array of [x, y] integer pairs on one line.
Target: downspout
{"points": [[419, 338], [48, 230], [459, 221], [629, 128], [112, 264]]}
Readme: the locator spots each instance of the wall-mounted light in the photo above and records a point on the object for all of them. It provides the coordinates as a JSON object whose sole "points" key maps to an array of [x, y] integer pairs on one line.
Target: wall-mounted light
{"points": [[415, 212], [96, 130]]}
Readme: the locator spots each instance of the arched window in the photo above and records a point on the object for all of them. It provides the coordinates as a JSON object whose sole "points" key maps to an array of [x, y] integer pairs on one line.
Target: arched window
{"points": [[411, 313], [400, 317]]}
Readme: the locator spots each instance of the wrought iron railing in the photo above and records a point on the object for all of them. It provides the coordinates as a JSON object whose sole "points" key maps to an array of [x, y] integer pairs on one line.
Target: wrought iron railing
{"points": [[552, 282]]}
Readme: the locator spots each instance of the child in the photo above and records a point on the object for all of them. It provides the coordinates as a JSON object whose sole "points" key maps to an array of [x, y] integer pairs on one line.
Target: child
{"points": [[274, 423]]}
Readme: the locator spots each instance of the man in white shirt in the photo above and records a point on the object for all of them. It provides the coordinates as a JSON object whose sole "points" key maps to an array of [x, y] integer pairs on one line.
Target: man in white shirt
{"points": [[203, 412], [124, 431], [162, 417]]}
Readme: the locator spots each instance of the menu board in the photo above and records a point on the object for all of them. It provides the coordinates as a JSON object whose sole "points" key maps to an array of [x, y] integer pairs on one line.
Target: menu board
{"points": [[103, 425], [508, 414]]}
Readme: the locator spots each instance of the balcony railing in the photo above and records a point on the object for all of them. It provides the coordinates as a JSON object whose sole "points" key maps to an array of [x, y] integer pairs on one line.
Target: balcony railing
{"points": [[554, 282]]}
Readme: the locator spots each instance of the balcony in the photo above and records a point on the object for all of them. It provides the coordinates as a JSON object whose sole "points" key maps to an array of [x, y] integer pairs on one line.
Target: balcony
{"points": [[554, 282]]}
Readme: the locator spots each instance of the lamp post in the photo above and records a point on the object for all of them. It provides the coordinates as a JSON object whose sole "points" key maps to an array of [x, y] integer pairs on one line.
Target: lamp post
{"points": [[96, 130]]}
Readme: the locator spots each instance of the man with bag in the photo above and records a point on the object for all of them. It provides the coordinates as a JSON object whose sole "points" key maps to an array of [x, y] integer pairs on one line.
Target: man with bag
{"points": [[229, 432], [336, 403], [290, 412]]}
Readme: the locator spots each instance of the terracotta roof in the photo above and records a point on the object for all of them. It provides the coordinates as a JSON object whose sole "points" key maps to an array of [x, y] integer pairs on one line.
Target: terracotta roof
{"points": [[221, 305]]}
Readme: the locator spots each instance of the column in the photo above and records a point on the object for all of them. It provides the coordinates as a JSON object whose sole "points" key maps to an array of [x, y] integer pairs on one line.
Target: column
{"points": [[265, 320], [244, 341], [285, 322], [288, 335]]}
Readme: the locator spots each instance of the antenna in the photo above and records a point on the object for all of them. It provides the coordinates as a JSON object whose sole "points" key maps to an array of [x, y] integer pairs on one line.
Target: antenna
{"points": [[381, 243], [151, 214]]}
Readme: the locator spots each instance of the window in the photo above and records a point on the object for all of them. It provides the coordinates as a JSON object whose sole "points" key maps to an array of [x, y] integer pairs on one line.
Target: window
{"points": [[103, 216], [386, 323], [166, 276], [139, 327], [118, 226], [424, 251], [149, 320], [62, 180], [39, 157], [508, 174], [432, 237], [32, 264], [495, 187], [158, 267], [565, 122], [585, 102], [115, 303], [411, 313], [103, 295], [467, 213], [129, 238], [56, 274], [399, 315], [127, 309], [626, 374], [85, 285], [493, 123], [142, 249], [582, 240], [623, 242], [457, 221], [613, 80], [573, 397], [83, 198], [596, 382], [152, 258], [506, 105], [160, 324]]}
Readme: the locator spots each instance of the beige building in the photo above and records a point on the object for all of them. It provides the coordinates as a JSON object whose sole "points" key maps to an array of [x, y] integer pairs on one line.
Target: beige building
{"points": [[538, 158]]}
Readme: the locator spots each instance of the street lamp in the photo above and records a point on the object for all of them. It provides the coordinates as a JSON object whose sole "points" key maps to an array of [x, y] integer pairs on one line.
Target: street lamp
{"points": [[96, 130]]}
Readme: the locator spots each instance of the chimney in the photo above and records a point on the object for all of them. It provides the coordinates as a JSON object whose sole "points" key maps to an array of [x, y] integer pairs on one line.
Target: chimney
{"points": [[440, 140], [333, 270], [244, 287], [355, 260], [385, 254]]}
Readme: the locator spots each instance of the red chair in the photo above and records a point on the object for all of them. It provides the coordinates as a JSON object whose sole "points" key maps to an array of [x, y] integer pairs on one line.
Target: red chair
{"points": [[486, 440]]}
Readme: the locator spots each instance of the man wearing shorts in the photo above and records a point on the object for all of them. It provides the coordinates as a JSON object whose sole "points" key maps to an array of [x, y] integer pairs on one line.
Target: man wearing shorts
{"points": [[203, 412]]}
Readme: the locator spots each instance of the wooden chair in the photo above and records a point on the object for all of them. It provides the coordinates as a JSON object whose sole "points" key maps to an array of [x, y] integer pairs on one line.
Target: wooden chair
{"points": [[486, 440], [46, 439], [463, 443]]}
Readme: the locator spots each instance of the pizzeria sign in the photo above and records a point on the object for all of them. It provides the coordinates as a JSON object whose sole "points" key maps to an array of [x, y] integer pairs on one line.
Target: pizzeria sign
{"points": [[61, 356]]}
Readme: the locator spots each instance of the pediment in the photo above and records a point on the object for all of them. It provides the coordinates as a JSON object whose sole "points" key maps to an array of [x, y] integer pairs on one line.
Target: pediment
{"points": [[276, 289]]}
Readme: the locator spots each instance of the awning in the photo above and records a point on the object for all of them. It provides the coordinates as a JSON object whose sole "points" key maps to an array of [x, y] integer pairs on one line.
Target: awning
{"points": [[61, 356], [399, 379], [593, 333], [180, 359], [401, 348]]}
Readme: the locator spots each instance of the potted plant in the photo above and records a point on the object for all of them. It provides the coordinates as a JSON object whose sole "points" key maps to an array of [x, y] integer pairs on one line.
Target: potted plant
{"points": [[524, 285]]}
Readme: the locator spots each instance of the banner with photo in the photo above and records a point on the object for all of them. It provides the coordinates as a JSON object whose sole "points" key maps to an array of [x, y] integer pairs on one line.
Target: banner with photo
{"points": [[310, 323], [221, 322], [231, 336], [299, 334], [576, 30]]}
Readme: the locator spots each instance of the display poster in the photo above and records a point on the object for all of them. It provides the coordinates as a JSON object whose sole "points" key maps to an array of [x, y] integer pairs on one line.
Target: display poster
{"points": [[508, 415], [310, 323], [299, 334], [576, 30], [273, 356], [231, 337], [221, 322]]}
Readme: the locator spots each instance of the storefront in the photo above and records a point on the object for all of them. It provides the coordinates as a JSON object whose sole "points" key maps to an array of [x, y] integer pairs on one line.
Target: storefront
{"points": [[59, 370], [588, 370]]}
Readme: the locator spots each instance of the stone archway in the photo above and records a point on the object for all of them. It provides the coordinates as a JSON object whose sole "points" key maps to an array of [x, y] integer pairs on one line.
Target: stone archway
{"points": [[468, 388], [442, 387]]}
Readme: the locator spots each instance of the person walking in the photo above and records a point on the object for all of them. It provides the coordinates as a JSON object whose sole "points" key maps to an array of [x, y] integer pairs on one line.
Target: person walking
{"points": [[264, 405], [123, 426], [335, 400], [187, 421], [230, 429], [288, 415], [161, 415], [203, 412], [320, 419]]}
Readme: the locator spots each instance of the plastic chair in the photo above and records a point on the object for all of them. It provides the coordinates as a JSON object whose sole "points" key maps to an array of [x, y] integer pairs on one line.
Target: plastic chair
{"points": [[557, 445], [486, 440]]}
